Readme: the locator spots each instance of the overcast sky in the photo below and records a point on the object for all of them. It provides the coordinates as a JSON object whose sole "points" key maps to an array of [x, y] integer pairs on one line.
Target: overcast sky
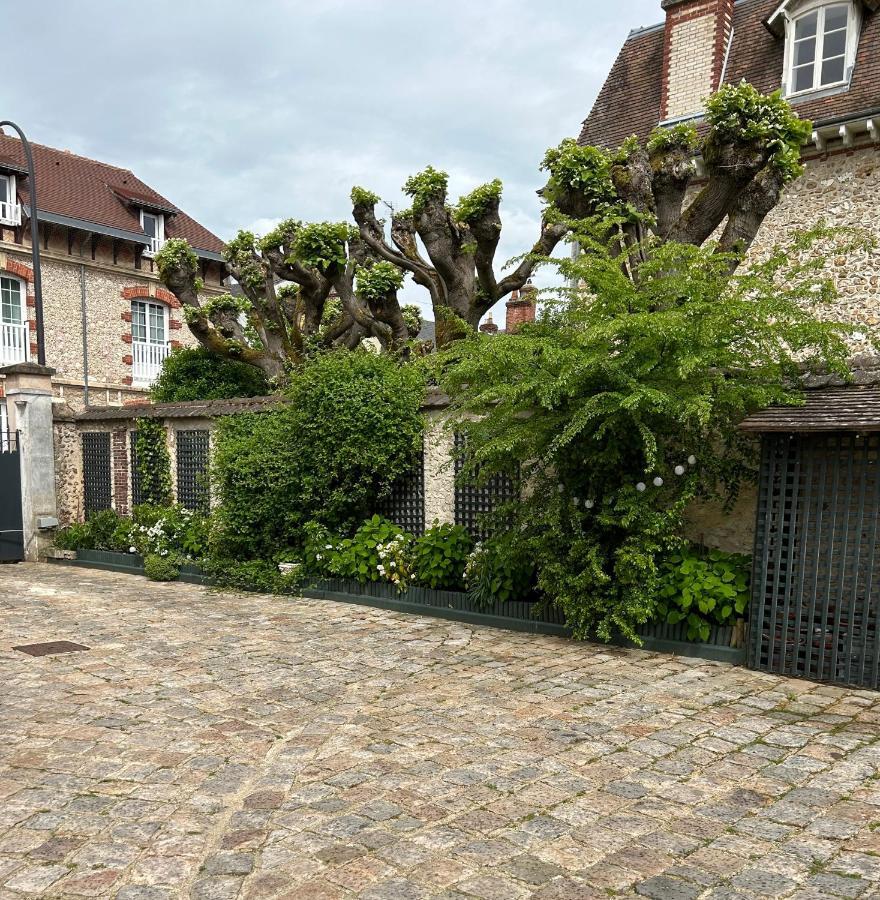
{"points": [[246, 113]]}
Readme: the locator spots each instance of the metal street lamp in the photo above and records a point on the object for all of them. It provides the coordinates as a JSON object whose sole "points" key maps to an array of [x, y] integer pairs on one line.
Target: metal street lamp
{"points": [[35, 241]]}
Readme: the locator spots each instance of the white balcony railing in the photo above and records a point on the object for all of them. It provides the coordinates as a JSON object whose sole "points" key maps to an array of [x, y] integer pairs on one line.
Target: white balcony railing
{"points": [[146, 361], [10, 213], [153, 247], [14, 343]]}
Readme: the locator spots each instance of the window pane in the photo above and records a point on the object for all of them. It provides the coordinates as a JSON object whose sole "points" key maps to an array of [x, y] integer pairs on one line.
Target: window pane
{"points": [[836, 17], [803, 78], [832, 70], [806, 26], [10, 308], [834, 45], [149, 225], [804, 51], [138, 322], [157, 324], [4, 189]]}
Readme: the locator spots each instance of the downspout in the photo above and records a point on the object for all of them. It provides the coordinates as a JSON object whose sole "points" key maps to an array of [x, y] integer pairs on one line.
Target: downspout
{"points": [[85, 325]]}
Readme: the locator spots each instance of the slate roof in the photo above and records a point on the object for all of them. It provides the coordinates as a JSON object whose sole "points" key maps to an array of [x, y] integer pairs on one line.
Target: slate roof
{"points": [[75, 187], [829, 409], [629, 102]]}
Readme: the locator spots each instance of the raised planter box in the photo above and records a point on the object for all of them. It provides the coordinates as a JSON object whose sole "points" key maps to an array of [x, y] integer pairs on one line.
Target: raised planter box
{"points": [[514, 616]]}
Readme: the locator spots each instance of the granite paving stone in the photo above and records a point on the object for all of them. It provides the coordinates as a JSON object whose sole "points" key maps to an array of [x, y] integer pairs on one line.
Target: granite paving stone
{"points": [[218, 745]]}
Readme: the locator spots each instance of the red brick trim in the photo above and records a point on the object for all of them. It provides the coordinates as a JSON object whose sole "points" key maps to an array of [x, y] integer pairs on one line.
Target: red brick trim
{"points": [[120, 471], [139, 290], [34, 349], [175, 324], [20, 269], [127, 359], [142, 291], [126, 337], [175, 345], [127, 379], [167, 297], [126, 316]]}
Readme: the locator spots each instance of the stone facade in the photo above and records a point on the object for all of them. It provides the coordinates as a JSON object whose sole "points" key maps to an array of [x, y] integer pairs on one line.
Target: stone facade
{"points": [[110, 274]]}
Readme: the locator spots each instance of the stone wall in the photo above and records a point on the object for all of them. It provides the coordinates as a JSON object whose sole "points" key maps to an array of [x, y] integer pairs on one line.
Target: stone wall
{"points": [[68, 468]]}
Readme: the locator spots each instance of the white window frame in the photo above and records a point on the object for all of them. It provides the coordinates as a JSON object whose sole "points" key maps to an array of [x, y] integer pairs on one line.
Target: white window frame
{"points": [[10, 210], [156, 245], [853, 28], [15, 335], [148, 355]]}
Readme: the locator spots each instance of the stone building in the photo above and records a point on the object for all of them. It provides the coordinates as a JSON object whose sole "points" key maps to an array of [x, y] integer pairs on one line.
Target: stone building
{"points": [[108, 322], [824, 55]]}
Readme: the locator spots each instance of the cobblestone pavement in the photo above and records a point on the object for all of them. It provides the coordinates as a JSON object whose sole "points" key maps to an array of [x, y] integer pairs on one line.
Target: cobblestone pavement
{"points": [[216, 745]]}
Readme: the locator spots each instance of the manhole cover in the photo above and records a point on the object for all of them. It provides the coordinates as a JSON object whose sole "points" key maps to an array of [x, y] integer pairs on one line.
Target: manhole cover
{"points": [[50, 647]]}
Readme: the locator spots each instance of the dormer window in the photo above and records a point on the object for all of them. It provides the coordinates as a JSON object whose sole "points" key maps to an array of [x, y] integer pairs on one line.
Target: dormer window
{"points": [[10, 211], [820, 46], [154, 228]]}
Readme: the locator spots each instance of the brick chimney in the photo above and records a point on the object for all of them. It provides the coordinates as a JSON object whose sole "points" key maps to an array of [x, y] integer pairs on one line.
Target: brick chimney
{"points": [[521, 307], [695, 45], [489, 327]]}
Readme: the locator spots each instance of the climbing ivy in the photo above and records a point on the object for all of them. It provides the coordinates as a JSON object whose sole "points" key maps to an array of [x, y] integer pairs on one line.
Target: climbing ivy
{"points": [[153, 463]]}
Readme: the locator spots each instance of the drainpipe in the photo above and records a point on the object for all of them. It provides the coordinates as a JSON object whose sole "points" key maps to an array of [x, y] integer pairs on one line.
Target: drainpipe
{"points": [[85, 325]]}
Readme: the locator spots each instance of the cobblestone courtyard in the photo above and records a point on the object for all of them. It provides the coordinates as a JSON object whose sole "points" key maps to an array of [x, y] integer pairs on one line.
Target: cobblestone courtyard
{"points": [[214, 745]]}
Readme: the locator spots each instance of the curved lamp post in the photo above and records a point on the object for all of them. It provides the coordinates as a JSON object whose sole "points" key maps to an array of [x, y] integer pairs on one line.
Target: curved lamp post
{"points": [[35, 241]]}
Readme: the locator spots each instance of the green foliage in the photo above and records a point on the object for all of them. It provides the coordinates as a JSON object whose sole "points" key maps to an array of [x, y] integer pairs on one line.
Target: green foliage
{"points": [[582, 170], [169, 531], [322, 246], [242, 253], [412, 315], [103, 530], [427, 185], [478, 202], [282, 235], [195, 373], [161, 568], [618, 386], [702, 588], [251, 575], [449, 326], [77, 536], [497, 572], [351, 428], [376, 552], [681, 136], [439, 557], [175, 253], [153, 462], [362, 197], [374, 284], [741, 114]]}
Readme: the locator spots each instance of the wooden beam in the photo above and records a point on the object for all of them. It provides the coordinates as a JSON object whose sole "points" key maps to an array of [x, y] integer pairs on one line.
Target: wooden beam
{"points": [[71, 233], [115, 250]]}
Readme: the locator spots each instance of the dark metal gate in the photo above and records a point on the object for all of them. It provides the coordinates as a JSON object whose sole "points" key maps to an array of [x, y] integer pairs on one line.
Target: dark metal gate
{"points": [[816, 580], [11, 528]]}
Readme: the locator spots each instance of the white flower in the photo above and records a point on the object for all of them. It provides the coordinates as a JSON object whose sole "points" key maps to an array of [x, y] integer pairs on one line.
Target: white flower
{"points": [[318, 556], [328, 546], [380, 569]]}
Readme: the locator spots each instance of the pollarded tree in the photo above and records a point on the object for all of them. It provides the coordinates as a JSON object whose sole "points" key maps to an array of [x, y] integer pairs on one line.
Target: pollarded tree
{"points": [[302, 285], [633, 197]]}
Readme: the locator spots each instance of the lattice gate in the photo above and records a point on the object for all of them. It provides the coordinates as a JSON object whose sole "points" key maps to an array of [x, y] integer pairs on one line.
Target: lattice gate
{"points": [[474, 504], [193, 456], [97, 488], [815, 607]]}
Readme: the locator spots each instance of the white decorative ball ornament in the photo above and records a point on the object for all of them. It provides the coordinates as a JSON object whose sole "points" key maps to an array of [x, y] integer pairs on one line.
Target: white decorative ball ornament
{"points": [[560, 488], [692, 460], [658, 482], [641, 486], [576, 501], [679, 470], [588, 504]]}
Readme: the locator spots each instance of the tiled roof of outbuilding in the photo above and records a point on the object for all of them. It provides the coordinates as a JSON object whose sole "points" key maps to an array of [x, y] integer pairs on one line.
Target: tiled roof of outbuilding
{"points": [[629, 102], [852, 408], [80, 188]]}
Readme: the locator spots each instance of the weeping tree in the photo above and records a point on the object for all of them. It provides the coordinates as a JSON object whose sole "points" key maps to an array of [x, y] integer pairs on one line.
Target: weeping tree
{"points": [[340, 284]]}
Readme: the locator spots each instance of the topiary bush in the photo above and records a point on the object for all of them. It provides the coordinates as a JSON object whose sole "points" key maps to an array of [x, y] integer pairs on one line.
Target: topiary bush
{"points": [[161, 568], [195, 373], [351, 429]]}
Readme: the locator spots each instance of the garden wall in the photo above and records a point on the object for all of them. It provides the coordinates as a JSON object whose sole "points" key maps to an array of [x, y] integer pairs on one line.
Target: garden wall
{"points": [[95, 466]]}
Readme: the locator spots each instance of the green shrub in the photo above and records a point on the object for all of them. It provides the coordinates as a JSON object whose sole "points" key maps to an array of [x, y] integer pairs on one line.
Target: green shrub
{"points": [[161, 568], [497, 571], [169, 529], [194, 373], [75, 537], [375, 553], [253, 575], [153, 462], [320, 550], [102, 526], [439, 557], [352, 428], [703, 588]]}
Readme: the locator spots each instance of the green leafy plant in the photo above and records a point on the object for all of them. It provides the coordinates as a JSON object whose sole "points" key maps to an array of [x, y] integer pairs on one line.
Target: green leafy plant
{"points": [[153, 462], [703, 588], [77, 536], [195, 373], [439, 557], [161, 568], [251, 575], [351, 428], [375, 553], [169, 531], [496, 572]]}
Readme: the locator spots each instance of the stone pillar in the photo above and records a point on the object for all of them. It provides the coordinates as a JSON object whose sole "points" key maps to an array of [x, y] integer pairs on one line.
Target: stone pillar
{"points": [[29, 407]]}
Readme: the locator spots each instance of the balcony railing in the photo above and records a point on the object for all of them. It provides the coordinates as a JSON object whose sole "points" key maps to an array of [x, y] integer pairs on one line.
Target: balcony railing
{"points": [[14, 343], [146, 361], [10, 213], [153, 247]]}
